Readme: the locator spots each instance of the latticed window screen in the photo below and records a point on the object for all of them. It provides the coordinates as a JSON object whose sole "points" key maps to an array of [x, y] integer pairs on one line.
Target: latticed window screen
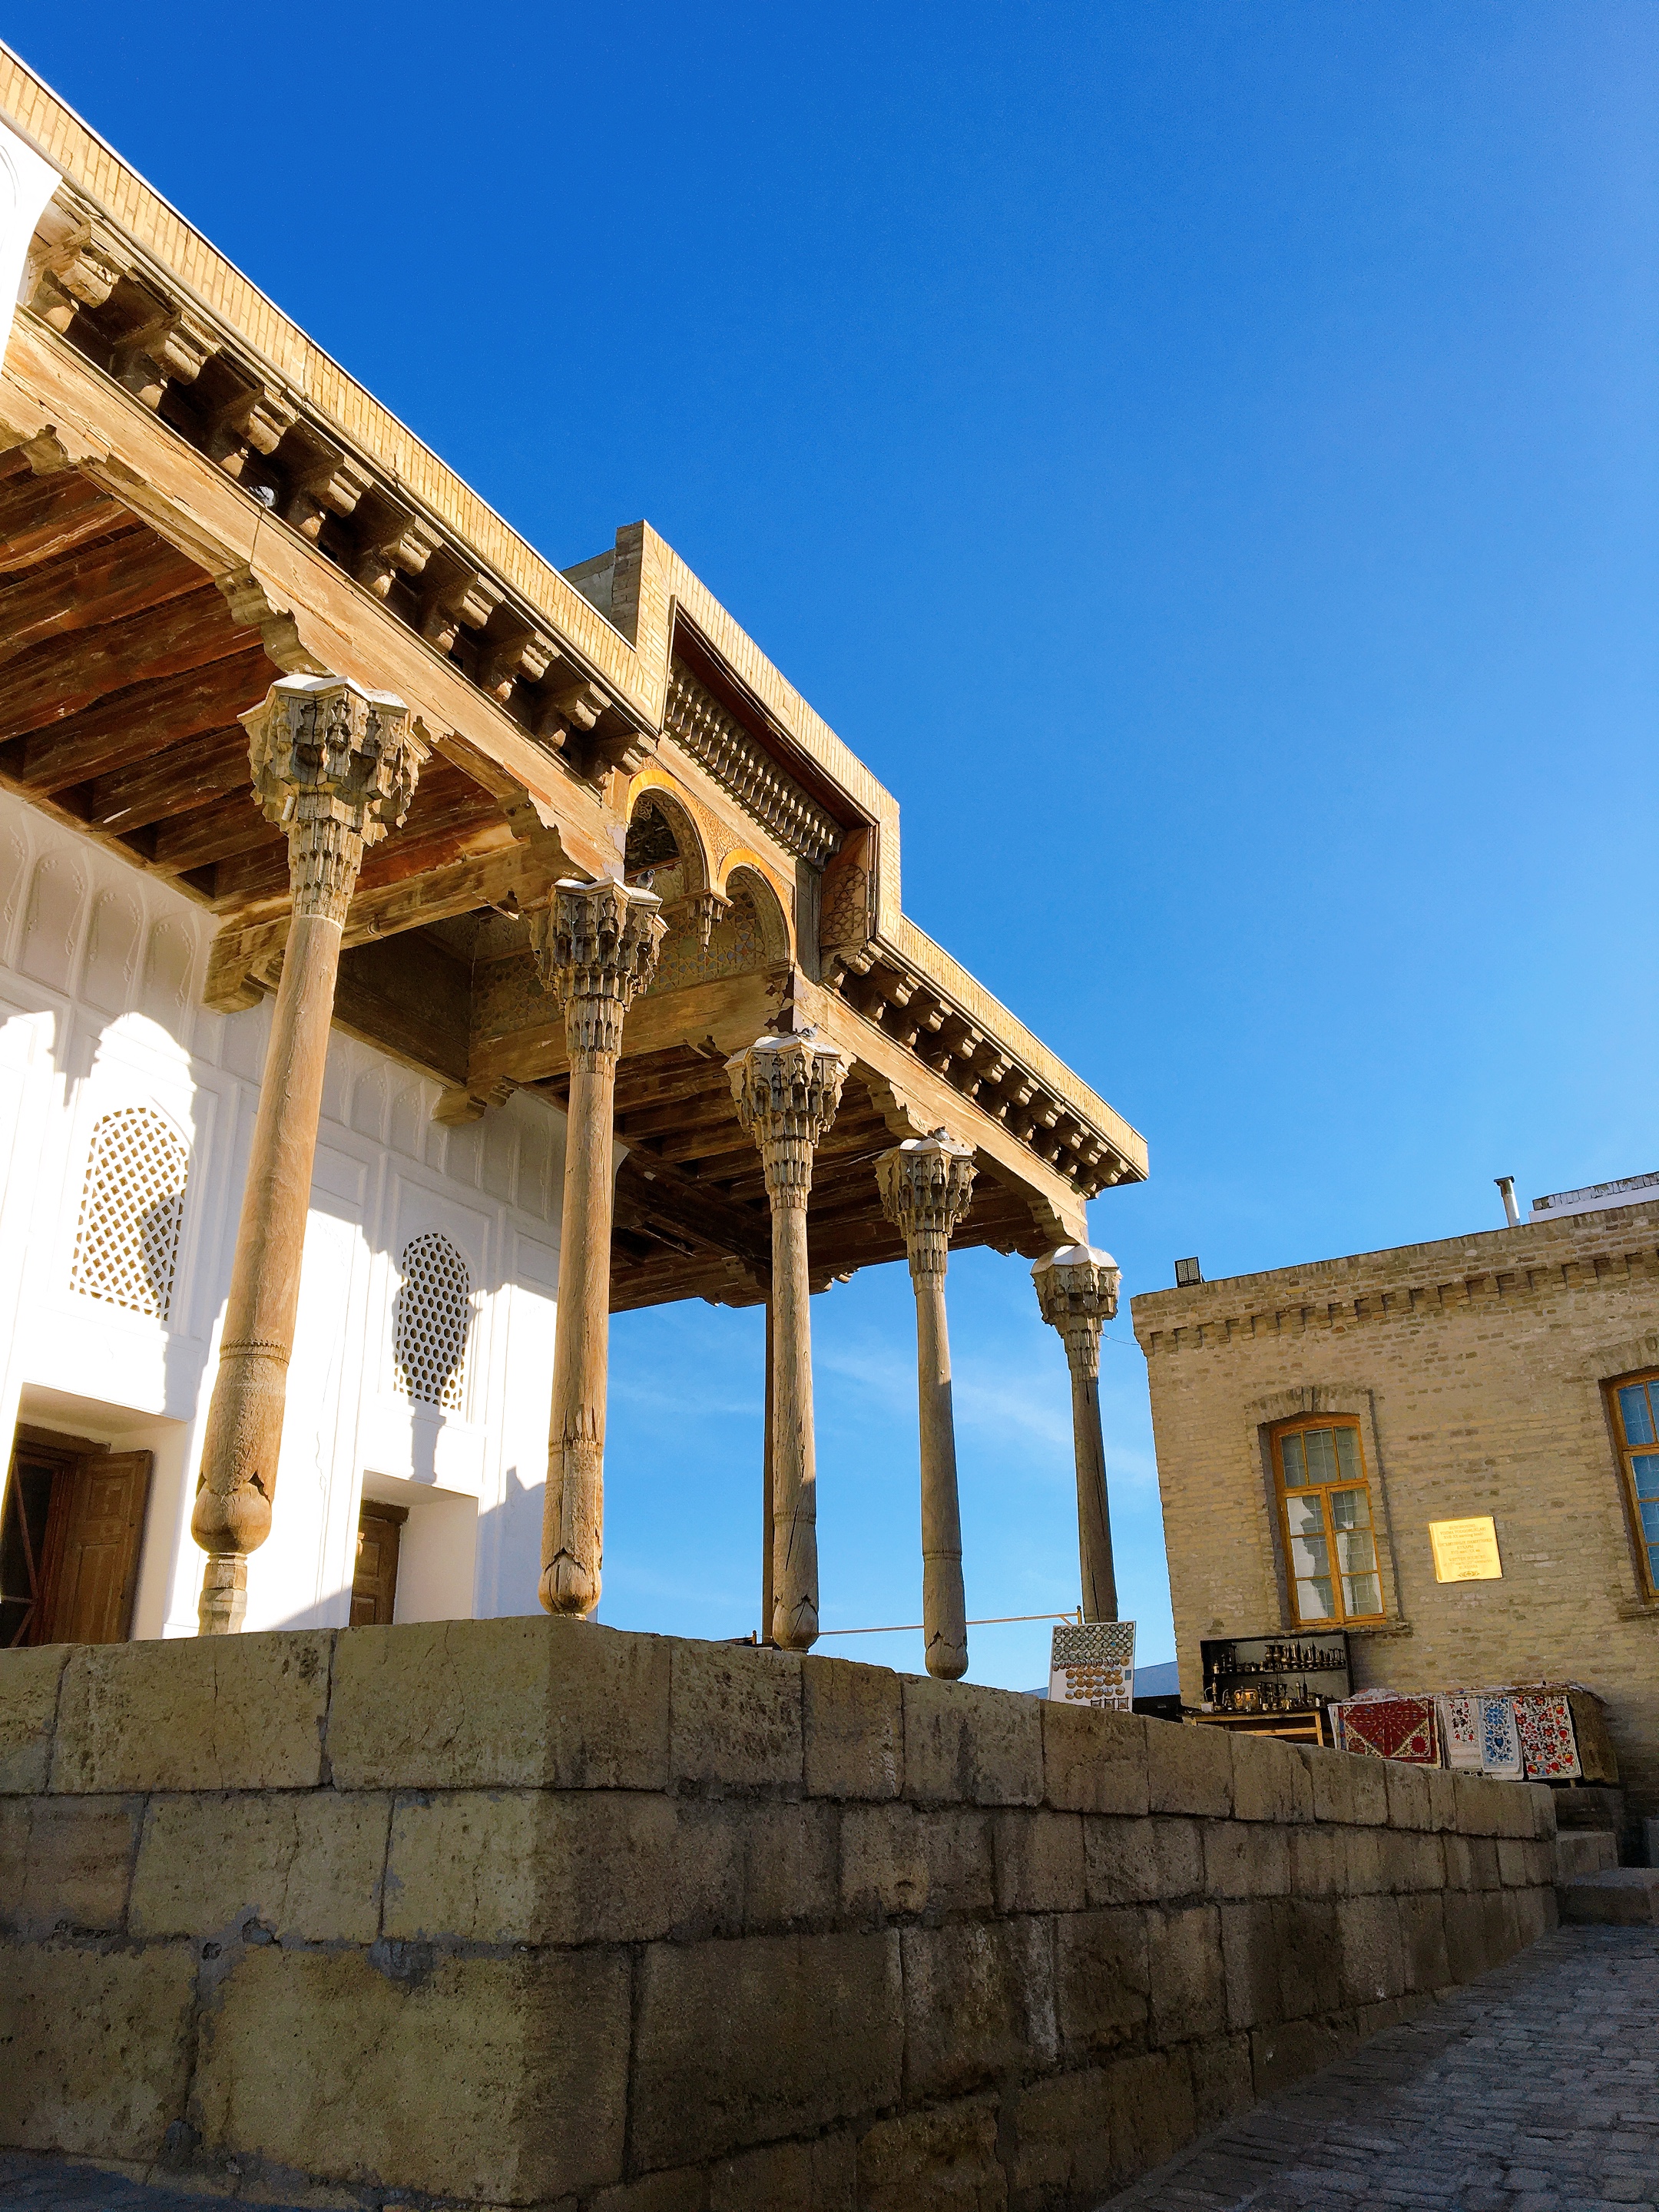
{"points": [[133, 1206], [430, 1321]]}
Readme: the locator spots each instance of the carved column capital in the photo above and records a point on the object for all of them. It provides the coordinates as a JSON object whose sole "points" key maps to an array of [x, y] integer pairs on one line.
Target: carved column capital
{"points": [[787, 1089], [596, 949], [926, 1185], [1077, 1291], [335, 767]]}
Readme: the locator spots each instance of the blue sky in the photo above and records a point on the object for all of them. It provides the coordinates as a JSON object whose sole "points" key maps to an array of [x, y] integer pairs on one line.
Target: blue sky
{"points": [[1202, 458]]}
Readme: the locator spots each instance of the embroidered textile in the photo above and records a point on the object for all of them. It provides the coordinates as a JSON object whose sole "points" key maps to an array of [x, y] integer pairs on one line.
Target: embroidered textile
{"points": [[1392, 1728], [1543, 1720], [1500, 1740], [1460, 1730]]}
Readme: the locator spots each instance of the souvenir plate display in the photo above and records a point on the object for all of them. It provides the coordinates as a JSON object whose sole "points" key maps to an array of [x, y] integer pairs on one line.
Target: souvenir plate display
{"points": [[1094, 1665]]}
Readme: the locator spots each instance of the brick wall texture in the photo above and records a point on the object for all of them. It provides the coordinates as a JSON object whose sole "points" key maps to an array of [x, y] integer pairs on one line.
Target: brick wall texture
{"points": [[1475, 1367], [527, 1912]]}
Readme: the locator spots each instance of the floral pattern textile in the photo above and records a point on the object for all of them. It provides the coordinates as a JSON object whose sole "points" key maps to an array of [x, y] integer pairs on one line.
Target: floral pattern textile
{"points": [[1500, 1740], [1460, 1730], [1543, 1720], [1392, 1728]]}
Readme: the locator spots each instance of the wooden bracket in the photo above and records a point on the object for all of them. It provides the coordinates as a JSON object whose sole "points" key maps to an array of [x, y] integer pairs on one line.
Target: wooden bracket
{"points": [[251, 605]]}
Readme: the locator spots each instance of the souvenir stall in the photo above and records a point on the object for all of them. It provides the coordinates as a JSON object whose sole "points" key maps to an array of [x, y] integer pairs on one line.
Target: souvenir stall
{"points": [[1552, 1732], [1274, 1686]]}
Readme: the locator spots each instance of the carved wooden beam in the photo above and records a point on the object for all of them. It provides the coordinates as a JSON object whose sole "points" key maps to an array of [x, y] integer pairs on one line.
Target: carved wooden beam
{"points": [[134, 723], [71, 271], [255, 419], [43, 517], [470, 598], [328, 483], [170, 785], [509, 1038], [126, 573], [253, 604], [519, 653]]}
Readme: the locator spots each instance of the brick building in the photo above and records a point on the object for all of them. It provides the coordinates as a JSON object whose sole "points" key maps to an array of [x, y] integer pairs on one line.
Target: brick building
{"points": [[1312, 1422]]}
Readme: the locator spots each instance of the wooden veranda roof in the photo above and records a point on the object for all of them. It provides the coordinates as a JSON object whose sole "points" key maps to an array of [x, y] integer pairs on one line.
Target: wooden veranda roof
{"points": [[194, 500]]}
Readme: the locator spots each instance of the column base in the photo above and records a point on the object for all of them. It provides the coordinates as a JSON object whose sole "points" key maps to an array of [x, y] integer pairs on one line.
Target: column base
{"points": [[567, 1589], [222, 1607], [799, 1632], [947, 1662]]}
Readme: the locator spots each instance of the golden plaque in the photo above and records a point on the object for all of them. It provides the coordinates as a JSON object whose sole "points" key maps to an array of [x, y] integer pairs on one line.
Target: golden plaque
{"points": [[1466, 1551]]}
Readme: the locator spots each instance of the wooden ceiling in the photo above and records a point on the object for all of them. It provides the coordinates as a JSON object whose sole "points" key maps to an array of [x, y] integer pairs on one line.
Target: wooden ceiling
{"points": [[122, 669], [122, 673], [692, 1218]]}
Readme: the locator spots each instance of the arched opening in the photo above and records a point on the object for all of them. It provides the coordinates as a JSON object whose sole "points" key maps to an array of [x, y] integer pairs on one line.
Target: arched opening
{"points": [[731, 931], [747, 886], [665, 851]]}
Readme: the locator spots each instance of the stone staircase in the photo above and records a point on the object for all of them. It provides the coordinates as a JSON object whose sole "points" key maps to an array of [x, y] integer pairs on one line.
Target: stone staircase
{"points": [[1593, 1889]]}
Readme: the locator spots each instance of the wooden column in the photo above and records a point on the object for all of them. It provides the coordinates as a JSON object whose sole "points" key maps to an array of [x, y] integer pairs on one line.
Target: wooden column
{"points": [[596, 948], [786, 1090], [926, 1185], [1077, 1290], [336, 766]]}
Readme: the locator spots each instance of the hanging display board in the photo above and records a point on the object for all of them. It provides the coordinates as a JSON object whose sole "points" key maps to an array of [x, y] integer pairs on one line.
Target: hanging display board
{"points": [[1094, 1665]]}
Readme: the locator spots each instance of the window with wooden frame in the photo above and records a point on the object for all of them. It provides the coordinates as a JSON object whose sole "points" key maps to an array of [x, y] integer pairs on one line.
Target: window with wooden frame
{"points": [[1635, 1406], [1325, 1518]]}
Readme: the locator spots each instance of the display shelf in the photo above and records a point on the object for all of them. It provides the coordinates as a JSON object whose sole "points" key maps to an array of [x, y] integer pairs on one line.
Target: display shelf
{"points": [[1273, 1679]]}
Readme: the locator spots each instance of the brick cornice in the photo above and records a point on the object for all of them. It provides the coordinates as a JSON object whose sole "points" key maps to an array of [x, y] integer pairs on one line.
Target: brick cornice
{"points": [[1454, 1275]]}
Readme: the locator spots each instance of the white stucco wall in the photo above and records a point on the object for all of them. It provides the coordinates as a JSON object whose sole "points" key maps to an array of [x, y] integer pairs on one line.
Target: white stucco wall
{"points": [[101, 974]]}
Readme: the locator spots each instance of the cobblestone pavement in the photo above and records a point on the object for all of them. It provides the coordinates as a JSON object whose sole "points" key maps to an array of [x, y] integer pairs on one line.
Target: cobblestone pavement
{"points": [[57, 2185], [1534, 2090]]}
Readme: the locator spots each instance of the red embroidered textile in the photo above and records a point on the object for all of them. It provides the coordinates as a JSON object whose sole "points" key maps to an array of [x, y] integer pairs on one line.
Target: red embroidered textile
{"points": [[1393, 1728]]}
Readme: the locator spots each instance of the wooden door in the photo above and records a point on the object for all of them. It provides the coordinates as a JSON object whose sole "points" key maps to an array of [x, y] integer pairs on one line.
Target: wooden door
{"points": [[23, 1534], [90, 1572], [375, 1585]]}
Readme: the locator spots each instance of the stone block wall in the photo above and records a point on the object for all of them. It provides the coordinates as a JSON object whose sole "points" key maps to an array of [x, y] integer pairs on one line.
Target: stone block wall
{"points": [[528, 1913]]}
